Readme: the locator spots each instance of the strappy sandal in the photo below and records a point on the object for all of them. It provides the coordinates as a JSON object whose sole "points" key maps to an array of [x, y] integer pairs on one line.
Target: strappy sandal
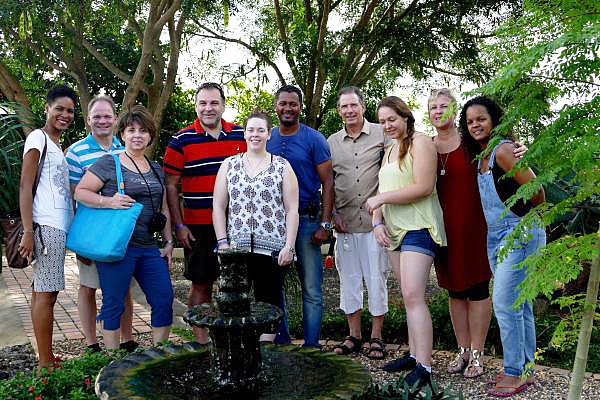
{"points": [[356, 346], [379, 348], [475, 367], [459, 363]]}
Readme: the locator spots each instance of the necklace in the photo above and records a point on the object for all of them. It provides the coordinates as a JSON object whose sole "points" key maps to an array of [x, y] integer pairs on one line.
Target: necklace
{"points": [[252, 170], [443, 161]]}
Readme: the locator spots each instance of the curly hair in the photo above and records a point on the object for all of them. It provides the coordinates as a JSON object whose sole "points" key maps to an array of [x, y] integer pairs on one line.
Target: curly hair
{"points": [[400, 108], [472, 147], [61, 91]]}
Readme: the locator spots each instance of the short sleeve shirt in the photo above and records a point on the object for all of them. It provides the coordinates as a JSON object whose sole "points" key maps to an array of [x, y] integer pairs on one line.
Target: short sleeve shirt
{"points": [[304, 150], [196, 156], [52, 205], [135, 187], [85, 152], [356, 163]]}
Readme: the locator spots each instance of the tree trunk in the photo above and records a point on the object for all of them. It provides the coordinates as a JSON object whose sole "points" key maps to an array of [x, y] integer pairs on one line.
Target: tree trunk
{"points": [[14, 92], [587, 323]]}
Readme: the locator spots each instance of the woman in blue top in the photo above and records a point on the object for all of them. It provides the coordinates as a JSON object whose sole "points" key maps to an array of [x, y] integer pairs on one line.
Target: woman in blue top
{"points": [[478, 118]]}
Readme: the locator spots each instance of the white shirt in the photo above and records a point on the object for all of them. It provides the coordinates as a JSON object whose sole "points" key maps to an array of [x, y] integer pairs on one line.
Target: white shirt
{"points": [[52, 205]]}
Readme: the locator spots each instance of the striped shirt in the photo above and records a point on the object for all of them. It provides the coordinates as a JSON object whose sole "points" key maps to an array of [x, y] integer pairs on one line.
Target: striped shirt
{"points": [[197, 156], [83, 153]]}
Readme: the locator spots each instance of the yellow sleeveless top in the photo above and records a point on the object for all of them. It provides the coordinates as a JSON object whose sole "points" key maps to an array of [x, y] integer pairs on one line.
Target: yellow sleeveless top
{"points": [[401, 218]]}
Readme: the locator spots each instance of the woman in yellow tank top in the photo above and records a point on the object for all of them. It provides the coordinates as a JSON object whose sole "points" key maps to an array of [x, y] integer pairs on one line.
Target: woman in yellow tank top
{"points": [[408, 221]]}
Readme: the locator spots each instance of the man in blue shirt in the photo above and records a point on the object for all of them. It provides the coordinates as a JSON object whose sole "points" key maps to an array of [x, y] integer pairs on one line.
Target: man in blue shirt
{"points": [[80, 156], [308, 153]]}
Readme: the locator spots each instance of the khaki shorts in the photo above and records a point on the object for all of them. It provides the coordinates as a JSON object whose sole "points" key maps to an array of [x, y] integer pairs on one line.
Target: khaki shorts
{"points": [[88, 276]]}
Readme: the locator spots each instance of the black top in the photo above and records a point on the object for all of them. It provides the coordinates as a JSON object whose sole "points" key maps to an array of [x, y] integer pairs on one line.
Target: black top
{"points": [[506, 186], [135, 187]]}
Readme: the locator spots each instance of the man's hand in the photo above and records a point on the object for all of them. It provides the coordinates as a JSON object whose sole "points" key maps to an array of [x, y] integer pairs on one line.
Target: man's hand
{"points": [[339, 225], [320, 236], [184, 236]]}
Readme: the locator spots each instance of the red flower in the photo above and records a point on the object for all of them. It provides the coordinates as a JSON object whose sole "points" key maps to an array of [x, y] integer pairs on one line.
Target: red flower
{"points": [[31, 388], [87, 381], [44, 381], [38, 398]]}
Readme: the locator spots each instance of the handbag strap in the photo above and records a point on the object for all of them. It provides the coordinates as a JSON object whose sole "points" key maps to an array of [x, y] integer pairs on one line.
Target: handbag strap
{"points": [[120, 184], [38, 173]]}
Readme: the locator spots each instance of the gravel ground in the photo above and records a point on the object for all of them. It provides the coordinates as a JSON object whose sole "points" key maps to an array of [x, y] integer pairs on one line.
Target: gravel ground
{"points": [[550, 383]]}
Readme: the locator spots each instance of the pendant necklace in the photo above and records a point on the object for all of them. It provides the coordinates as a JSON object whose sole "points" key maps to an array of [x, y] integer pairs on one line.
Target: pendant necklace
{"points": [[444, 161]]}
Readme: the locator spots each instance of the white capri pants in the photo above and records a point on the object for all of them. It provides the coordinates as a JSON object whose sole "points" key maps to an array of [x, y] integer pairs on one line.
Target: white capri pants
{"points": [[358, 257]]}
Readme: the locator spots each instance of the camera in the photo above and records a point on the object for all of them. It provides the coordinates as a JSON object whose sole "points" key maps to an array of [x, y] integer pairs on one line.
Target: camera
{"points": [[157, 222]]}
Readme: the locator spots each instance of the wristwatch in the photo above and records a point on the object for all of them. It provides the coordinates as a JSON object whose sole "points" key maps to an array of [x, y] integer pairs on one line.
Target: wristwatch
{"points": [[327, 226]]}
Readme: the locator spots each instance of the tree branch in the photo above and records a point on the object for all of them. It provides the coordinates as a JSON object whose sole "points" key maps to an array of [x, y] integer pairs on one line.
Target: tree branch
{"points": [[255, 50], [286, 46], [564, 80]]}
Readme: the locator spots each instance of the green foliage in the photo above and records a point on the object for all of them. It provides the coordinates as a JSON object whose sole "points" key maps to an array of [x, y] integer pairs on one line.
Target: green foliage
{"points": [[11, 153], [399, 390], [73, 381], [184, 333], [249, 98], [179, 113]]}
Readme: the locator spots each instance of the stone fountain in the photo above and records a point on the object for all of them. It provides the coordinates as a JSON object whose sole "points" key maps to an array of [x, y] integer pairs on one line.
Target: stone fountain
{"points": [[235, 365]]}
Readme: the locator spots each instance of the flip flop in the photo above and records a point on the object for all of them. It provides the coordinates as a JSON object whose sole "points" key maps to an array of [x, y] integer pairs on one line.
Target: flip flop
{"points": [[530, 381], [496, 393], [380, 348], [356, 346]]}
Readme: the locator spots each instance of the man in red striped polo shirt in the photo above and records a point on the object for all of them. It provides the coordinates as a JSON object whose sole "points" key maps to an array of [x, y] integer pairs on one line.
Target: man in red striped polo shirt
{"points": [[193, 157]]}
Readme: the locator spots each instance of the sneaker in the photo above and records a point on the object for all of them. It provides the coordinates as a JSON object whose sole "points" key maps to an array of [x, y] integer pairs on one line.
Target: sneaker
{"points": [[129, 346], [405, 363], [418, 376]]}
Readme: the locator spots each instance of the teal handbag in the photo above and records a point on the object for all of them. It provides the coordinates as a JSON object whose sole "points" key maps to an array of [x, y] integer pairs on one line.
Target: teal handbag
{"points": [[102, 234]]}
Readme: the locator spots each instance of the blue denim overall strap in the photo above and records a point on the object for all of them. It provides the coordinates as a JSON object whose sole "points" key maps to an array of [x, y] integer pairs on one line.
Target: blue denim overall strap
{"points": [[517, 326], [493, 206]]}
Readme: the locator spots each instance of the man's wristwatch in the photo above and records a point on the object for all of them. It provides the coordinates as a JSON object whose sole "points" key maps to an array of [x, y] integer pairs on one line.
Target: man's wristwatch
{"points": [[327, 226]]}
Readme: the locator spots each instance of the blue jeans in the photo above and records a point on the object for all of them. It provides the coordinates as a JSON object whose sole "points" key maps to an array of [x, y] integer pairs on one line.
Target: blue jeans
{"points": [[310, 272], [152, 274], [517, 325]]}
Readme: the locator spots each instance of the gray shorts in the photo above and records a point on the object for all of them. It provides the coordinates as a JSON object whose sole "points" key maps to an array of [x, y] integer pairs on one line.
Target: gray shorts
{"points": [[49, 265]]}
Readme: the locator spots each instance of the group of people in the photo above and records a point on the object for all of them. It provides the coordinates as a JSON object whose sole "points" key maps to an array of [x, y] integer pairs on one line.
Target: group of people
{"points": [[394, 197]]}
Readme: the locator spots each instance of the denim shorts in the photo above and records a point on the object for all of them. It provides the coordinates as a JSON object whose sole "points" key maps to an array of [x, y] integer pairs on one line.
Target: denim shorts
{"points": [[420, 242]]}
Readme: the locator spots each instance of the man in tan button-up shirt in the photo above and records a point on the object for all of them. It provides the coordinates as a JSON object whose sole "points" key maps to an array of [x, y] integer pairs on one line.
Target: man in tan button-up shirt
{"points": [[356, 152]]}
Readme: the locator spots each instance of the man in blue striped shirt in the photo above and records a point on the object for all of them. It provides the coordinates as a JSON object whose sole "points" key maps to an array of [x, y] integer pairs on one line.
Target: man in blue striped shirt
{"points": [[80, 156]]}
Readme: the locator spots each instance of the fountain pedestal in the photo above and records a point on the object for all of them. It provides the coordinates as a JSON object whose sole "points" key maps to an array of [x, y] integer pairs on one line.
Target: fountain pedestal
{"points": [[235, 326]]}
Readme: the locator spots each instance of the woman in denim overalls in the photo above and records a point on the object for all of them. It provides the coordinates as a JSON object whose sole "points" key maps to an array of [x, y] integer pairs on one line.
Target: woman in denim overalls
{"points": [[478, 118]]}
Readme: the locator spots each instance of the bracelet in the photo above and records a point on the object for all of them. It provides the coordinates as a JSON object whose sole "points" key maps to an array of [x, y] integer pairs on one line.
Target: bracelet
{"points": [[177, 226], [377, 224], [222, 240]]}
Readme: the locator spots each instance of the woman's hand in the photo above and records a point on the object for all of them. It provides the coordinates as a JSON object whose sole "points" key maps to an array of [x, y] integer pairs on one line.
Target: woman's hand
{"points": [[167, 253], [286, 256], [117, 202], [223, 245], [26, 245], [382, 235], [373, 203], [520, 150]]}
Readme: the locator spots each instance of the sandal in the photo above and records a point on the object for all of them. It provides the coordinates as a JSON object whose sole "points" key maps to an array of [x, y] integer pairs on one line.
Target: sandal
{"points": [[378, 348], [356, 346], [475, 367], [459, 363], [530, 380], [515, 389]]}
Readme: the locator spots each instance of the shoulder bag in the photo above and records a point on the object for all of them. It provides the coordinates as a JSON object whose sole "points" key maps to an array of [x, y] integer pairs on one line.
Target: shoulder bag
{"points": [[13, 227], [103, 234]]}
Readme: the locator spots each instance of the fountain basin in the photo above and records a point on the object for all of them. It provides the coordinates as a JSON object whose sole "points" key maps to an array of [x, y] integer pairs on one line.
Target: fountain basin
{"points": [[183, 372]]}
